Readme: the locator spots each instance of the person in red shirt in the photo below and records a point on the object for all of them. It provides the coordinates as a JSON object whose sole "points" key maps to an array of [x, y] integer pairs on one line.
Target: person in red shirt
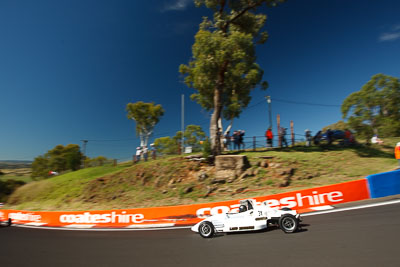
{"points": [[269, 136], [397, 153]]}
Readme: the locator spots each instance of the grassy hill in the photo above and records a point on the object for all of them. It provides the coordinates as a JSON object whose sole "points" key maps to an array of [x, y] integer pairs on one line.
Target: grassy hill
{"points": [[176, 181]]}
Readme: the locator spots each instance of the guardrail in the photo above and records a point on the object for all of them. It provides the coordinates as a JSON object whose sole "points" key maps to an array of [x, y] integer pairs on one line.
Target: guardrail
{"points": [[384, 184]]}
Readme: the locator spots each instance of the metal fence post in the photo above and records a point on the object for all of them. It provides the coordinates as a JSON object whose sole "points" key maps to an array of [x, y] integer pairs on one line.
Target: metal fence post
{"points": [[292, 132], [278, 120]]}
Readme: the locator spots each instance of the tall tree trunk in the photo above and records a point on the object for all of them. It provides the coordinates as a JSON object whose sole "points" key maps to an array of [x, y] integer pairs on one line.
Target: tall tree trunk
{"points": [[214, 129], [141, 140], [215, 132]]}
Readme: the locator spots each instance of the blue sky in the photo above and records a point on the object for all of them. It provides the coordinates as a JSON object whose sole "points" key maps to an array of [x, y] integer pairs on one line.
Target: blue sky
{"points": [[68, 68]]}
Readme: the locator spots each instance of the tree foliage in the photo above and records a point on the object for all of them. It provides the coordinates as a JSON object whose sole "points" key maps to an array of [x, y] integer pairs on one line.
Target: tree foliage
{"points": [[223, 68], [60, 158], [375, 109], [193, 134], [146, 116], [166, 145], [98, 161], [340, 125]]}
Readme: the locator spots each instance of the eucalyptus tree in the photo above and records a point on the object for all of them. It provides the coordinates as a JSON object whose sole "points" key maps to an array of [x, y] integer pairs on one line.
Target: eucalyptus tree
{"points": [[146, 116], [223, 68], [375, 108]]}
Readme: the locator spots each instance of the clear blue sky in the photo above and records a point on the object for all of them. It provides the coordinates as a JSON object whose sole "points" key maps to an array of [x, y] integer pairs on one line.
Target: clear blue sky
{"points": [[68, 68]]}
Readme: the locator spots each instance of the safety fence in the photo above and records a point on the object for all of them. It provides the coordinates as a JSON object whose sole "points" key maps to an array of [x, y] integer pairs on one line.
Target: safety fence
{"points": [[257, 142]]}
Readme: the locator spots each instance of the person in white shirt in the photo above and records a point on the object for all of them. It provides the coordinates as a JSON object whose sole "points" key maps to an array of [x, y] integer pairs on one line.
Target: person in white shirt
{"points": [[375, 140], [138, 153]]}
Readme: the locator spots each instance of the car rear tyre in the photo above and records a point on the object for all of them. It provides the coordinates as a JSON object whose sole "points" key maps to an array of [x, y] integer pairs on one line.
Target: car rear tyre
{"points": [[288, 223], [206, 229]]}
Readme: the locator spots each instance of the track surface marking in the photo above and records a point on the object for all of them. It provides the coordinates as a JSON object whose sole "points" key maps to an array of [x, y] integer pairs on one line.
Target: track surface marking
{"points": [[362, 237]]}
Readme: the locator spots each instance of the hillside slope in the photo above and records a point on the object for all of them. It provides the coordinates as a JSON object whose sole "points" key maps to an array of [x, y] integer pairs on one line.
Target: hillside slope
{"points": [[176, 181]]}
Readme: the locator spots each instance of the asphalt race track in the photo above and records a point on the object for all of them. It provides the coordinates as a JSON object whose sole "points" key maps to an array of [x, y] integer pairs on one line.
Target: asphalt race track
{"points": [[363, 237]]}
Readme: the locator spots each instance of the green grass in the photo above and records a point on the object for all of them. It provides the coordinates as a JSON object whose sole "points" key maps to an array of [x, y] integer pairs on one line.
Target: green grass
{"points": [[52, 192]]}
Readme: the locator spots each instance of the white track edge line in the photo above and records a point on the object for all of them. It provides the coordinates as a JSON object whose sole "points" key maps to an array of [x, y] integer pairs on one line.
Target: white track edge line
{"points": [[352, 208]]}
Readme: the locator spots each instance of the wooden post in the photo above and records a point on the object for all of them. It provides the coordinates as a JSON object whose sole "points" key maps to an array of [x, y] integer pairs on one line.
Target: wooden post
{"points": [[278, 120], [254, 143], [292, 132], [134, 159], [115, 162]]}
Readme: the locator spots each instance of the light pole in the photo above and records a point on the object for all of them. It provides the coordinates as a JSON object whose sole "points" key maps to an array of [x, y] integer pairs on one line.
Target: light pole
{"points": [[269, 110], [84, 152], [183, 124]]}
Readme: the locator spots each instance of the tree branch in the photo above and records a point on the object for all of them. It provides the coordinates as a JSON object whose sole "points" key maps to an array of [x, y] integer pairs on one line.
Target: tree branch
{"points": [[241, 13], [221, 9]]}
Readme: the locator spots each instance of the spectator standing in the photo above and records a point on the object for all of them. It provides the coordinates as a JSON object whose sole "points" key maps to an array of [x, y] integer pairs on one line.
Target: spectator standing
{"points": [[269, 135], [145, 153], [227, 141], [329, 136], [347, 136], [317, 138], [283, 137], [397, 153], [241, 134], [232, 143], [308, 137], [138, 153], [153, 151], [236, 140]]}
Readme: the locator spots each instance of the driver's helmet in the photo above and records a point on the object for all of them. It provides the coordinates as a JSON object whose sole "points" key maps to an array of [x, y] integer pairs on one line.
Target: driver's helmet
{"points": [[242, 208]]}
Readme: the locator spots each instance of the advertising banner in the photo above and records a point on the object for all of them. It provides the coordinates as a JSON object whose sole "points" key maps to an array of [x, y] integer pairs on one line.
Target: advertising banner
{"points": [[172, 216]]}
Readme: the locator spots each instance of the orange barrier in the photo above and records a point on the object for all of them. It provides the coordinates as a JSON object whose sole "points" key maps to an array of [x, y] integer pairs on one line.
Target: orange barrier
{"points": [[302, 200]]}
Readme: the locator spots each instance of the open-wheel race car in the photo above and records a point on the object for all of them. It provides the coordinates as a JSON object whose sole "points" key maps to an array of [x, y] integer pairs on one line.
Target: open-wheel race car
{"points": [[5, 222], [251, 217]]}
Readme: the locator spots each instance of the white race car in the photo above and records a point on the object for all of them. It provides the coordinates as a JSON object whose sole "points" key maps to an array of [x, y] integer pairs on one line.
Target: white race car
{"points": [[6, 223], [251, 217]]}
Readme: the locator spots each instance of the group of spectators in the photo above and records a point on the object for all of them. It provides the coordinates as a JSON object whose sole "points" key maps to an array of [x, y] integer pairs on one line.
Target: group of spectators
{"points": [[235, 140], [346, 136], [281, 134], [143, 152]]}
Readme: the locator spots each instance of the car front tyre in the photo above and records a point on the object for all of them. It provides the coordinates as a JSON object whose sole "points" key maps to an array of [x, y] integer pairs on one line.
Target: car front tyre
{"points": [[206, 229], [288, 223]]}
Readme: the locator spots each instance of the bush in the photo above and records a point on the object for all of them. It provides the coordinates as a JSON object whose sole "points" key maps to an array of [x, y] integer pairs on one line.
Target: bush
{"points": [[206, 148], [8, 187], [94, 162], [58, 159]]}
